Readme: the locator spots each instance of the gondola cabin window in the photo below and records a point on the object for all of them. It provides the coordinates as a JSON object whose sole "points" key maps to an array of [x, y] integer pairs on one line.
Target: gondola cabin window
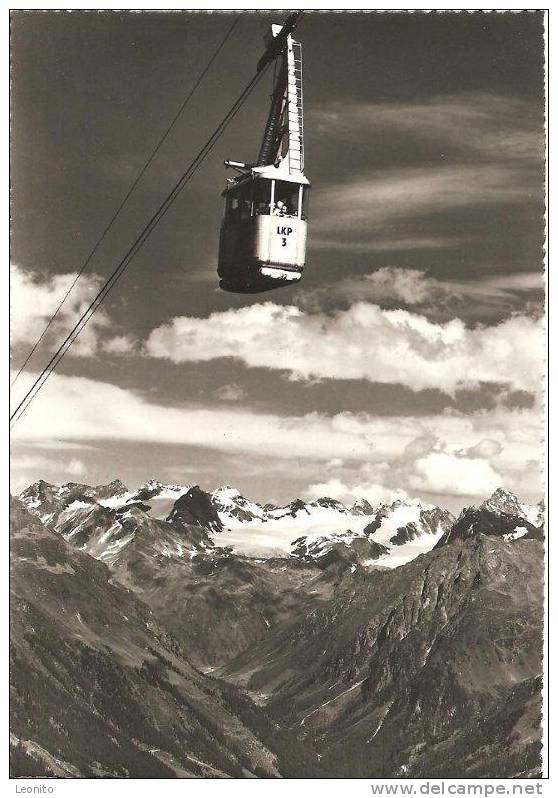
{"points": [[239, 204], [262, 244], [262, 197], [286, 198]]}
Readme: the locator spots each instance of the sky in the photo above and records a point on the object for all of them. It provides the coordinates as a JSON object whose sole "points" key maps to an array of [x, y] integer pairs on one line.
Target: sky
{"points": [[409, 360]]}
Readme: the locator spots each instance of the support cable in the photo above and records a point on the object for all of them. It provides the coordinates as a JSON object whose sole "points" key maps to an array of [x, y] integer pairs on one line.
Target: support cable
{"points": [[127, 197], [134, 249]]}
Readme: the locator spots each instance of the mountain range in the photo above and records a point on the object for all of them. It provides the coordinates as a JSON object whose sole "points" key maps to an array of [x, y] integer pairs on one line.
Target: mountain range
{"points": [[168, 631]]}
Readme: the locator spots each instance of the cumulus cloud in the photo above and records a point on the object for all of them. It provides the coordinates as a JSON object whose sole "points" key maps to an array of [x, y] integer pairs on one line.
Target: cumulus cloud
{"points": [[361, 342], [35, 298], [120, 345], [410, 286], [434, 462], [486, 448], [76, 468], [442, 472]]}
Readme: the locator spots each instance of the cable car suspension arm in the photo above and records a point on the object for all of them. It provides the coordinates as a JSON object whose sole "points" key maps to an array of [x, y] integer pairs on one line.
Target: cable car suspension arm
{"points": [[272, 134]]}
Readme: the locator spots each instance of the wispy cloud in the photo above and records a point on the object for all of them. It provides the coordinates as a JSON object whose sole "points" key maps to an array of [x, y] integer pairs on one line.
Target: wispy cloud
{"points": [[450, 153], [439, 454], [80, 409], [366, 204], [401, 243], [485, 298], [26, 466], [493, 126]]}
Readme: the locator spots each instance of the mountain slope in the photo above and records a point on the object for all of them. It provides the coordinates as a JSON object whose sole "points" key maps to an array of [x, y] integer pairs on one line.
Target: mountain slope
{"points": [[408, 659], [215, 603], [99, 689], [221, 604], [120, 527], [401, 642]]}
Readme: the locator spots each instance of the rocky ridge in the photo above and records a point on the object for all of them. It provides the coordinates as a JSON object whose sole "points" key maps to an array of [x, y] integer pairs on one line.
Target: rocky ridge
{"points": [[401, 642]]}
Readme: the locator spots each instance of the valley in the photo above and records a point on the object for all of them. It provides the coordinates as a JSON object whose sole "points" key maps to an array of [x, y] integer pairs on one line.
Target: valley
{"points": [[319, 639]]}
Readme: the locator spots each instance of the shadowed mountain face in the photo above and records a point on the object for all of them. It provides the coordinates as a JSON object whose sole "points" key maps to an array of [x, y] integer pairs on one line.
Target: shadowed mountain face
{"points": [[196, 508], [116, 526], [408, 659], [473, 521], [326, 663], [98, 688], [217, 605]]}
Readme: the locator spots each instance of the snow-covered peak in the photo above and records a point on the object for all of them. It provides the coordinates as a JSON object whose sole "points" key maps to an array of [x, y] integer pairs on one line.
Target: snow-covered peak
{"points": [[362, 507], [159, 497], [328, 503], [318, 509], [234, 508], [502, 501], [44, 499], [151, 484], [505, 503], [394, 535], [155, 486], [226, 492], [36, 493], [407, 529], [112, 495], [114, 488]]}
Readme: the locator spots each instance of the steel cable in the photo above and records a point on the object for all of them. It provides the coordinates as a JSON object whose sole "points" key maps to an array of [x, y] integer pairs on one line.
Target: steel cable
{"points": [[127, 197], [132, 251]]}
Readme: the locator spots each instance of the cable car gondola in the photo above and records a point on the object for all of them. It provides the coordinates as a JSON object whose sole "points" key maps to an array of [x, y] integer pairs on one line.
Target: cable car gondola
{"points": [[263, 235]]}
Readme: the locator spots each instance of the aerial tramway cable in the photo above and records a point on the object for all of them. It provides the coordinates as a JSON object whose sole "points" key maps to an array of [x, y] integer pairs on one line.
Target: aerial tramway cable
{"points": [[132, 251], [128, 195]]}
